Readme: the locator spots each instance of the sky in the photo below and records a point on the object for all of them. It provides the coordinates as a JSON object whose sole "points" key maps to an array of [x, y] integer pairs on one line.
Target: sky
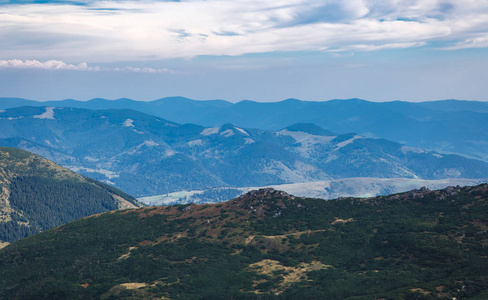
{"points": [[378, 50]]}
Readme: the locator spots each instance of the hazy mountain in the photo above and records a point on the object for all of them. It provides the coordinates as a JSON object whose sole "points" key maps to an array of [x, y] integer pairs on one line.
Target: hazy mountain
{"points": [[266, 245], [37, 194], [449, 126], [324, 189], [145, 155]]}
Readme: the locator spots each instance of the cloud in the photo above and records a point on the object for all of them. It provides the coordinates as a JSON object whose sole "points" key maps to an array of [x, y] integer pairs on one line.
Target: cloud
{"points": [[113, 31], [60, 65], [478, 42], [142, 70], [368, 47], [48, 65]]}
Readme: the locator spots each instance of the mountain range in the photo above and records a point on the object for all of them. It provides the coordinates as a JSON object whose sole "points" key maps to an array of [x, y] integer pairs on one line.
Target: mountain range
{"points": [[265, 244], [448, 126], [37, 194], [67, 236], [145, 155]]}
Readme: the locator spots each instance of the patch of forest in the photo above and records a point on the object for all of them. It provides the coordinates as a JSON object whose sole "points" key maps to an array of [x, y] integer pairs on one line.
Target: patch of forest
{"points": [[37, 194]]}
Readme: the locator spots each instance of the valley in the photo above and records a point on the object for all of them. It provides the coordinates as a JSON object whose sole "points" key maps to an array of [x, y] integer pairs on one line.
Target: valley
{"points": [[145, 155], [233, 212], [254, 150]]}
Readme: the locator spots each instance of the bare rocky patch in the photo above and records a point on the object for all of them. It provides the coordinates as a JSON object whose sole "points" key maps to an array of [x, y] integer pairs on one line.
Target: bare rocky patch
{"points": [[273, 269]]}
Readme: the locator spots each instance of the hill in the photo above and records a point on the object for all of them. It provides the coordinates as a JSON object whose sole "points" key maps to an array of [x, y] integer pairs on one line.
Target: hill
{"points": [[448, 126], [326, 189], [145, 155], [37, 194], [265, 244]]}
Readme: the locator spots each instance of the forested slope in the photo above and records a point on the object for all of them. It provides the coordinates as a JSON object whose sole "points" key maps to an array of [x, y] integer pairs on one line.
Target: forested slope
{"points": [[264, 245], [36, 194]]}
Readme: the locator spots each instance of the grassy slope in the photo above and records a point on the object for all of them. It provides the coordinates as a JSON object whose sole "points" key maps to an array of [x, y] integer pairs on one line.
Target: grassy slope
{"points": [[416, 245]]}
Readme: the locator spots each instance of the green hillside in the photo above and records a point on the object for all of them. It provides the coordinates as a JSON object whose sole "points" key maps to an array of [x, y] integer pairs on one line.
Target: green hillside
{"points": [[264, 245], [37, 194]]}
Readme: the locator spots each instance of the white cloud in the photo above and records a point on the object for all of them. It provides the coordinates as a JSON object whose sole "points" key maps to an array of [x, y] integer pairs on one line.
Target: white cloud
{"points": [[60, 65], [109, 31], [478, 42], [369, 47], [48, 65]]}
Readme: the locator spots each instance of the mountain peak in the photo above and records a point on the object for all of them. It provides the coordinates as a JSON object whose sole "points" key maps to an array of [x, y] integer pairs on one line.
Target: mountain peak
{"points": [[262, 202], [310, 128], [266, 193], [175, 98], [291, 100], [227, 126]]}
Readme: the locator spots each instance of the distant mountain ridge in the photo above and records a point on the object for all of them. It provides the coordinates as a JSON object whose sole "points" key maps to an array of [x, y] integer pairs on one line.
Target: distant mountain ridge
{"points": [[36, 194], [448, 126], [146, 155]]}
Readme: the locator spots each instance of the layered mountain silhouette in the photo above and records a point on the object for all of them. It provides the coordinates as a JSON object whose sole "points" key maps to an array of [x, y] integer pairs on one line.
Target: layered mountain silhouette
{"points": [[146, 155], [448, 126]]}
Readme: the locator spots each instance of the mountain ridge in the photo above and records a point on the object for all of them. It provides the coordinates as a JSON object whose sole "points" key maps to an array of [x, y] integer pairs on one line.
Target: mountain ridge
{"points": [[146, 155], [265, 243], [37, 194], [418, 124]]}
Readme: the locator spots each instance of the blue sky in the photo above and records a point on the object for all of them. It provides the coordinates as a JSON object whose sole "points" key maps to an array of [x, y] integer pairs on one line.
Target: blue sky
{"points": [[377, 50]]}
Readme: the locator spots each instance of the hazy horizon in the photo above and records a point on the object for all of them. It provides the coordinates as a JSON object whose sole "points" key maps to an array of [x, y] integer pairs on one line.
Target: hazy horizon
{"points": [[237, 101]]}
